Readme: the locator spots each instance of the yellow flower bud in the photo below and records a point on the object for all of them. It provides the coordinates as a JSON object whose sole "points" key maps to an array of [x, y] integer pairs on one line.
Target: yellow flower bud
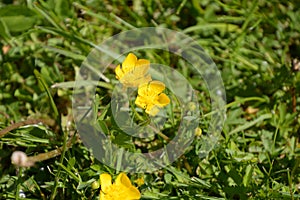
{"points": [[198, 131], [192, 106], [95, 185]]}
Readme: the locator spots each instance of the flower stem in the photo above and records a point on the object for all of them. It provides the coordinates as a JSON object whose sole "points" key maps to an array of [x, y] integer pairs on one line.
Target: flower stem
{"points": [[4, 131], [160, 133]]}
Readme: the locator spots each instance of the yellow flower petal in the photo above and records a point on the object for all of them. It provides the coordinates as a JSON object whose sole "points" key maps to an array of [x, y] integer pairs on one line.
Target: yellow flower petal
{"points": [[149, 107], [141, 67], [129, 63], [142, 80], [102, 196], [105, 182], [140, 102], [133, 193], [153, 110], [163, 100], [131, 80], [156, 87], [123, 179], [143, 90], [119, 72], [152, 88]]}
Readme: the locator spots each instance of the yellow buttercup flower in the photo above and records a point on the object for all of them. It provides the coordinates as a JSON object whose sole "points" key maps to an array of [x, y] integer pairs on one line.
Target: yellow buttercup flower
{"points": [[133, 71], [151, 98], [122, 189]]}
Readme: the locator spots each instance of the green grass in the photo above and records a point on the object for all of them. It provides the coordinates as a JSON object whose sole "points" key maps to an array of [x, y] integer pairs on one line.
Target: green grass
{"points": [[253, 44]]}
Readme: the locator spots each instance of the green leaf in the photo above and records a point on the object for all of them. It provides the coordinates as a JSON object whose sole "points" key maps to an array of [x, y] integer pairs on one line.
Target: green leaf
{"points": [[168, 178], [71, 163], [4, 32], [17, 18], [62, 8], [86, 184], [248, 175]]}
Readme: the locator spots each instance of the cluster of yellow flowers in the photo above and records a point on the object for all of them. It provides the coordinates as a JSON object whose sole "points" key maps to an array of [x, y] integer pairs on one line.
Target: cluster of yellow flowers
{"points": [[133, 72], [121, 189]]}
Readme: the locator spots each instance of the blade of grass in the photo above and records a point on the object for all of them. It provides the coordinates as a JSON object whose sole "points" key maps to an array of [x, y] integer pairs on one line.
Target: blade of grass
{"points": [[237, 102], [99, 16], [48, 16], [252, 123], [76, 38], [82, 83], [66, 53], [122, 21], [42, 82], [57, 176], [220, 26], [180, 7]]}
